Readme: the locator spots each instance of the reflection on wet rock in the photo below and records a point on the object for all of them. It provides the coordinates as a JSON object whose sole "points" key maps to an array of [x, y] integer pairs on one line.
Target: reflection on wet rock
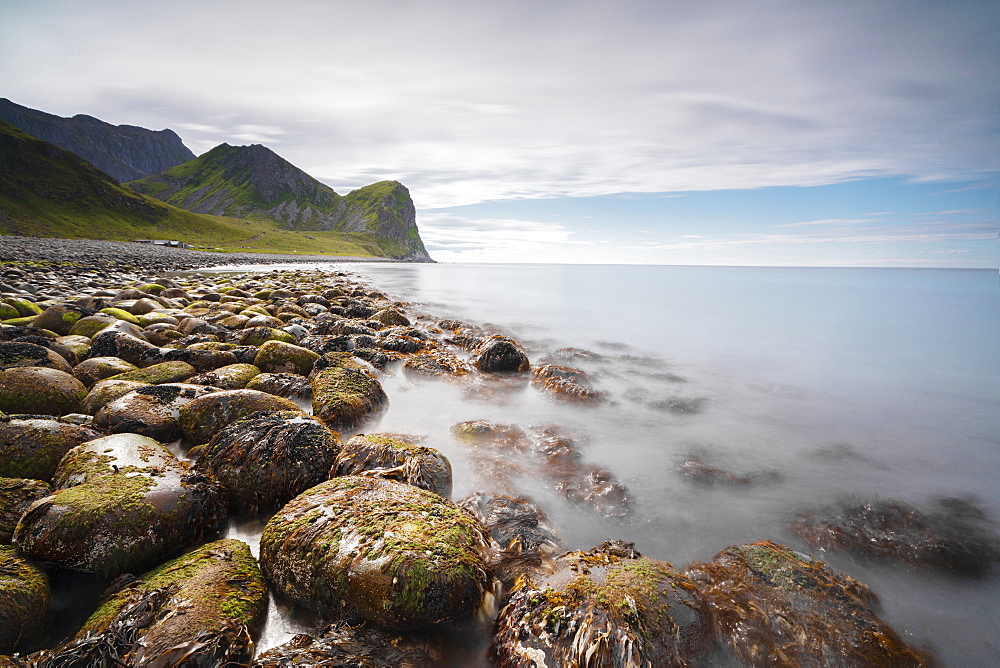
{"points": [[773, 606]]}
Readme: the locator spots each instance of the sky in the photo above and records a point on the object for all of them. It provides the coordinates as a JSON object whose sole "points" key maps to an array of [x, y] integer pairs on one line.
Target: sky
{"points": [[773, 132]]}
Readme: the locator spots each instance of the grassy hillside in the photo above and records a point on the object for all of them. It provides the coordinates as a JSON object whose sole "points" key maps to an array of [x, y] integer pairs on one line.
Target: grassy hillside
{"points": [[48, 192]]}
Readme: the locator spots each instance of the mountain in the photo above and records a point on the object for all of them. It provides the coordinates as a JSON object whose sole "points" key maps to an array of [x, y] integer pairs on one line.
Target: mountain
{"points": [[126, 152], [254, 182], [46, 191]]}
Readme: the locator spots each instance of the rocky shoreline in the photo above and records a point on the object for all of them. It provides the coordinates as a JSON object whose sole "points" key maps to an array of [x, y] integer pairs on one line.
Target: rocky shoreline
{"points": [[140, 409]]}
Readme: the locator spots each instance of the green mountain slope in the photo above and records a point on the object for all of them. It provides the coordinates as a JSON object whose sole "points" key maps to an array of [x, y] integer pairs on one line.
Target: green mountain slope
{"points": [[255, 183], [46, 191]]}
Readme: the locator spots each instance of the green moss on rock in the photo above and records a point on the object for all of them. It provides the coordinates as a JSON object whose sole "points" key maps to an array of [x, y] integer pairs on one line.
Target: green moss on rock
{"points": [[24, 600]]}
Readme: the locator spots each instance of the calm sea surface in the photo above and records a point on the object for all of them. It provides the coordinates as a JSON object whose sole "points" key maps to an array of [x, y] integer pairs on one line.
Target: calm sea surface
{"points": [[849, 384]]}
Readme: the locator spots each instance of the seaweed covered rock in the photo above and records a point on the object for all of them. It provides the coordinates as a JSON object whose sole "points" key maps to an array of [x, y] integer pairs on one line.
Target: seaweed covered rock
{"points": [[606, 607], [122, 502], [437, 364], [229, 377], [955, 537], [280, 357], [151, 410], [288, 385], [345, 394], [265, 460], [400, 556], [499, 354], [40, 391], [201, 609], [24, 600], [776, 607], [113, 343], [31, 447], [16, 494], [18, 354], [387, 457], [565, 383], [343, 645], [521, 539], [201, 418]]}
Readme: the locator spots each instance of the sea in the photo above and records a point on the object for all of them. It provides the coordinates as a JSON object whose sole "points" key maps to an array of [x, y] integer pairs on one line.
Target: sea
{"points": [[825, 386]]}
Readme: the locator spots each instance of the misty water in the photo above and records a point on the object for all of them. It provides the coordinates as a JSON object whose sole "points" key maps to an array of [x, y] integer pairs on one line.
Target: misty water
{"points": [[830, 385]]}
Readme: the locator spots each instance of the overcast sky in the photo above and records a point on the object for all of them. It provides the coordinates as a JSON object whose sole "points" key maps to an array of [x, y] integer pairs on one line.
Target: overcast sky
{"points": [[840, 132]]}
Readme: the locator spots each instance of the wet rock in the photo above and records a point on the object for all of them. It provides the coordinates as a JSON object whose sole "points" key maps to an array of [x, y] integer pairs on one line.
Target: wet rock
{"points": [[278, 357], [106, 391], [400, 344], [42, 391], [92, 370], [60, 318], [390, 317], [14, 355], [565, 384], [202, 417], [326, 343], [158, 374], [257, 336], [955, 537], [521, 539], [151, 410], [400, 556], [438, 364], [265, 460], [696, 470], [31, 447], [773, 606], [90, 325], [72, 348], [384, 456], [122, 502], [680, 405], [345, 395], [344, 645], [111, 343], [16, 494], [606, 607], [288, 385], [24, 600], [201, 609], [229, 377], [24, 307], [499, 354]]}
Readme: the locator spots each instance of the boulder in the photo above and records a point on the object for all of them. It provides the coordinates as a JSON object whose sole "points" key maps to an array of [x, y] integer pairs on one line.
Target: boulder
{"points": [[606, 607], [345, 645], [387, 457], [265, 460], [229, 377], [32, 447], [121, 502], [90, 325], [564, 383], [438, 364], [201, 609], [41, 391], [279, 357], [16, 494], [60, 318], [201, 418], [400, 556], [499, 354], [390, 317], [106, 391], [773, 606], [158, 374], [24, 600], [94, 369], [151, 410], [13, 355], [345, 396], [288, 385]]}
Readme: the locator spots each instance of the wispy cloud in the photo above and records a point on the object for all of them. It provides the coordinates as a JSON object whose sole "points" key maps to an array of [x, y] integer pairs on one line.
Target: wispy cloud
{"points": [[838, 222]]}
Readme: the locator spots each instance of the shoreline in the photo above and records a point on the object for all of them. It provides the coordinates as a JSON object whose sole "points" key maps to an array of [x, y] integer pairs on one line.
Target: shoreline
{"points": [[131, 256]]}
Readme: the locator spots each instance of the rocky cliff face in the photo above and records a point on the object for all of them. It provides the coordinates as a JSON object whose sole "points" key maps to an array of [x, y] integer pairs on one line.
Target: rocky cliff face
{"points": [[255, 182], [125, 152]]}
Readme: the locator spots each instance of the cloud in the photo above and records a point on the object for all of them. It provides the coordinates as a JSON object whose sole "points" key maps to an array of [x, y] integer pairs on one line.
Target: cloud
{"points": [[449, 237], [831, 221]]}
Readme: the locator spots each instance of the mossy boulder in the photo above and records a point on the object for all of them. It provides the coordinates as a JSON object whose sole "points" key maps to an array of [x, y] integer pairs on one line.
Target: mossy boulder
{"points": [[105, 391], [60, 318], [120, 314], [202, 418], [24, 600], [40, 391], [262, 320], [201, 609], [265, 460], [122, 502], [609, 606], [279, 357], [157, 374], [113, 343], [142, 307], [90, 325], [95, 369], [774, 606], [24, 307], [8, 312], [346, 396], [256, 336], [499, 354], [16, 354], [151, 410], [288, 385], [229, 377], [400, 556], [32, 447], [387, 457], [390, 317], [201, 360], [16, 494], [78, 346]]}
